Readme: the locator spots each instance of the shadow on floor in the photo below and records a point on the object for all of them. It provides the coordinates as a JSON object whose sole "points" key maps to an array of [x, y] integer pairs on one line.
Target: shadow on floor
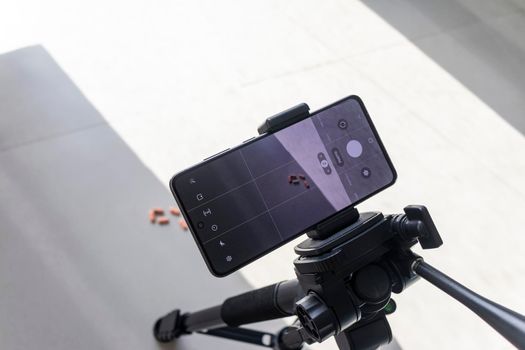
{"points": [[80, 264]]}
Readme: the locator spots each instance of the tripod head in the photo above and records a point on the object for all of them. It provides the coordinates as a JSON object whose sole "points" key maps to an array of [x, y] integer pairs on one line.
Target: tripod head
{"points": [[349, 275]]}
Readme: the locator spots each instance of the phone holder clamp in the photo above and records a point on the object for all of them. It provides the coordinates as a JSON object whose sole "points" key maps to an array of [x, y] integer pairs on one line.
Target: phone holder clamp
{"points": [[285, 118]]}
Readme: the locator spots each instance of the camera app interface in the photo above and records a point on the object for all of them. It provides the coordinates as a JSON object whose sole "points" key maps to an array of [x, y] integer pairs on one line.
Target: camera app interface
{"points": [[264, 193]]}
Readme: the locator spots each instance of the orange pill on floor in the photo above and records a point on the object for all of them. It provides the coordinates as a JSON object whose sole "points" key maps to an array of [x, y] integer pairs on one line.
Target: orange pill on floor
{"points": [[175, 211], [158, 211], [151, 216], [163, 221], [183, 224]]}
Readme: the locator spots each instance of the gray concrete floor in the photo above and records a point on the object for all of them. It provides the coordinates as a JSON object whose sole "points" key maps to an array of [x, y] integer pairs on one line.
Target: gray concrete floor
{"points": [[443, 82]]}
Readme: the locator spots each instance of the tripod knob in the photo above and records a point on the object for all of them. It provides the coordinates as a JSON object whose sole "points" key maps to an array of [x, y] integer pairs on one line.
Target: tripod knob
{"points": [[316, 318], [420, 218], [417, 224]]}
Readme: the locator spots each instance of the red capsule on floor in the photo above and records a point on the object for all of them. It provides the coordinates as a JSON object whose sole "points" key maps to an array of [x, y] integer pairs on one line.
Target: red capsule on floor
{"points": [[158, 211], [163, 220], [151, 216], [183, 225]]}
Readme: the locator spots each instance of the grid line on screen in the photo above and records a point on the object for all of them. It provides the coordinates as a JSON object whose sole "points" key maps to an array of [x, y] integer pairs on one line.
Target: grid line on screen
{"points": [[260, 194]]}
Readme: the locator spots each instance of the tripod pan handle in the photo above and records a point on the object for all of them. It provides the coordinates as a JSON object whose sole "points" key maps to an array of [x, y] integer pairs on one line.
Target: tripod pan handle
{"points": [[267, 303]]}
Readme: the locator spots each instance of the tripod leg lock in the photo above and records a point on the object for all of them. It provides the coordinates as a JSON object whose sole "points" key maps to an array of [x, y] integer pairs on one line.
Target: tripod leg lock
{"points": [[169, 327]]}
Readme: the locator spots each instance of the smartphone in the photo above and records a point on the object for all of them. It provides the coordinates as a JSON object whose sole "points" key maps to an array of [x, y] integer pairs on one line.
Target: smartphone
{"points": [[248, 200]]}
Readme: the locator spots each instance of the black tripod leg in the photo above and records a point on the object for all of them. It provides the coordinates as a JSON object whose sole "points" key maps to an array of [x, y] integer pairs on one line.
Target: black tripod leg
{"points": [[244, 335], [267, 303]]}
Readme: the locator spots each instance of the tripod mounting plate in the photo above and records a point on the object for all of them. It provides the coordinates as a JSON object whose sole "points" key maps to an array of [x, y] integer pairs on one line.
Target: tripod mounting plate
{"points": [[314, 247]]}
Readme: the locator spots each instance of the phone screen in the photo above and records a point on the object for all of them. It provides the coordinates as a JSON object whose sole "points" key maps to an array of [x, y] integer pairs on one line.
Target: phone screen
{"points": [[249, 200]]}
